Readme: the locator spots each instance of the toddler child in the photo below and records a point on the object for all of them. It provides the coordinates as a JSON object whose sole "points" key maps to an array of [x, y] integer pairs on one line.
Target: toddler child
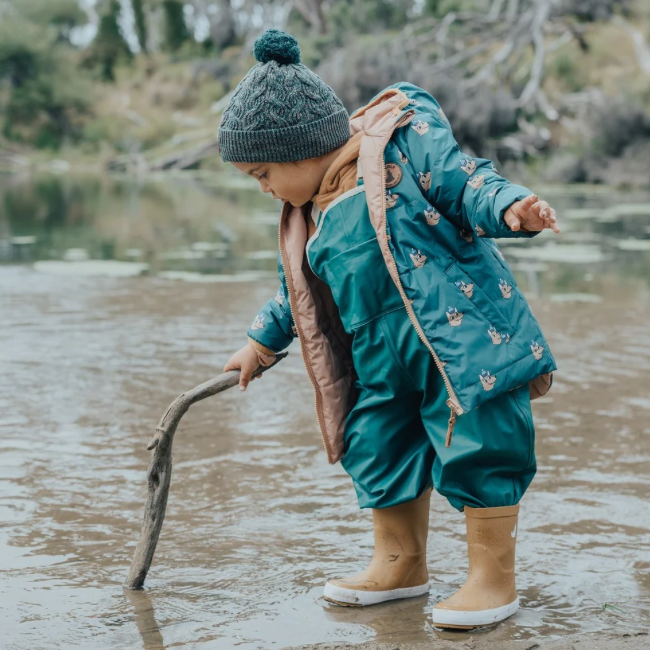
{"points": [[423, 353]]}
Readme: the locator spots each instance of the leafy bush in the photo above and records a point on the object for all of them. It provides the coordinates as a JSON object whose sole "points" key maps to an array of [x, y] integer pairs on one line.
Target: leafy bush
{"points": [[564, 68], [591, 10], [366, 16], [63, 14], [108, 47], [361, 70], [439, 8], [615, 149], [176, 32], [44, 97], [616, 124]]}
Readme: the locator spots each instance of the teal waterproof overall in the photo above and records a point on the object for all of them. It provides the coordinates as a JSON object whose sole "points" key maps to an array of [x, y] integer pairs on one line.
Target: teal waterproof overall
{"points": [[395, 434], [414, 315]]}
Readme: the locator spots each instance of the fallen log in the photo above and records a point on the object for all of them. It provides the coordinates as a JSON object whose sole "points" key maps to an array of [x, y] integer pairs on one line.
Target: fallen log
{"points": [[179, 159], [185, 158], [160, 469]]}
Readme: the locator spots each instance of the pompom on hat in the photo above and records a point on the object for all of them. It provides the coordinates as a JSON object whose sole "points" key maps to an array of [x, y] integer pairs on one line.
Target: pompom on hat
{"points": [[275, 45], [281, 111]]}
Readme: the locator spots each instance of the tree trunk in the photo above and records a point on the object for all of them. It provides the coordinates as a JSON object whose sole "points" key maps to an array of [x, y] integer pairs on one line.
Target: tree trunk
{"points": [[222, 26], [312, 13], [140, 23], [175, 29]]}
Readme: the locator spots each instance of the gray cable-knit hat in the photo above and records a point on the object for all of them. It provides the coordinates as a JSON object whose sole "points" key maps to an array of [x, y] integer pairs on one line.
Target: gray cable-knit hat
{"points": [[281, 111]]}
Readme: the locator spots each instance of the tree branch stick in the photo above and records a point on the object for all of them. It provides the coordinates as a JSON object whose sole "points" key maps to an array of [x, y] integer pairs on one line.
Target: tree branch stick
{"points": [[160, 468]]}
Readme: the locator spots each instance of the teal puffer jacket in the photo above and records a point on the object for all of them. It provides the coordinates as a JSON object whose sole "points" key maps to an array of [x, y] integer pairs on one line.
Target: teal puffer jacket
{"points": [[443, 209]]}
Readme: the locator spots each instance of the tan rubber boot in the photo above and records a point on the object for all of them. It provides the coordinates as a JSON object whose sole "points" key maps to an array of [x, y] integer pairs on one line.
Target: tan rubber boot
{"points": [[398, 568], [489, 594]]}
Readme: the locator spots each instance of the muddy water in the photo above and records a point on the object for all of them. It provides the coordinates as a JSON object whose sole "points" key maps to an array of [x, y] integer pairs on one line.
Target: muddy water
{"points": [[257, 520]]}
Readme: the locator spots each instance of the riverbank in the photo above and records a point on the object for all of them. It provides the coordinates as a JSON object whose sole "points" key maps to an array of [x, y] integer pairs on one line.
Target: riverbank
{"points": [[581, 117]]}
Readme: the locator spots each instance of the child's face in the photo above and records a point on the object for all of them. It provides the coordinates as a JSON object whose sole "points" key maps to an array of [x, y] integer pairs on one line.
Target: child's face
{"points": [[295, 182]]}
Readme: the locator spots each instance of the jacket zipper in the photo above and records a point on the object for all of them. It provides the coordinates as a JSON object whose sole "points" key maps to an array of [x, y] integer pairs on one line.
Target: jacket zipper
{"points": [[452, 402], [310, 372]]}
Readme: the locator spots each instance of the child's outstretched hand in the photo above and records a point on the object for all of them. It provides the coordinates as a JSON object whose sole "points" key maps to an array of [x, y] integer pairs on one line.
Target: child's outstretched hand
{"points": [[531, 215], [245, 360]]}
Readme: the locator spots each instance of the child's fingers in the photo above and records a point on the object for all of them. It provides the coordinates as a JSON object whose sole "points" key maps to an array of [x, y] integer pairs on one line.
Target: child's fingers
{"points": [[512, 221], [547, 214], [540, 209], [244, 380], [526, 203], [246, 375]]}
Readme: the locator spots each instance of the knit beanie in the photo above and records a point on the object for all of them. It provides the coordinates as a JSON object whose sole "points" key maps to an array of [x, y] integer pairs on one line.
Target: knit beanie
{"points": [[281, 111]]}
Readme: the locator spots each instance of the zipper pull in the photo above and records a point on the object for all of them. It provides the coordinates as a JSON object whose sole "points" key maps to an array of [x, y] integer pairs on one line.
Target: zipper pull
{"points": [[453, 404], [450, 427]]}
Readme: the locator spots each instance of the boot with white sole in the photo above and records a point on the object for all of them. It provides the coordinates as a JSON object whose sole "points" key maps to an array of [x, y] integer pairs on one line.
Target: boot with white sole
{"points": [[398, 568], [489, 594]]}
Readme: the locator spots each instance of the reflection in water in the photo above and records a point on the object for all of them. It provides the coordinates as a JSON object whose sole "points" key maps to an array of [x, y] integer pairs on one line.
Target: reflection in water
{"points": [[190, 225], [257, 520], [145, 619]]}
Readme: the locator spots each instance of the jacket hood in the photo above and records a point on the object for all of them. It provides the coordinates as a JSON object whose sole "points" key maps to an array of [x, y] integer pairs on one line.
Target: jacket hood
{"points": [[368, 117], [341, 176]]}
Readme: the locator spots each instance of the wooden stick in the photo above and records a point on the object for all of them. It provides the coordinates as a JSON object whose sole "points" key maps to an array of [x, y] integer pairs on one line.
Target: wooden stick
{"points": [[160, 469]]}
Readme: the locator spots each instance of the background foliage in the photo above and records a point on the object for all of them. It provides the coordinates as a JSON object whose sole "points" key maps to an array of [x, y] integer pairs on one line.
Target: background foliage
{"points": [[562, 86]]}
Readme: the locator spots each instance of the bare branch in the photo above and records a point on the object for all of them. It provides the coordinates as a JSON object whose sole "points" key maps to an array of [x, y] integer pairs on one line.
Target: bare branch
{"points": [[536, 73], [312, 13], [441, 36], [495, 9], [561, 41], [512, 10], [160, 469], [488, 69], [640, 48], [546, 107]]}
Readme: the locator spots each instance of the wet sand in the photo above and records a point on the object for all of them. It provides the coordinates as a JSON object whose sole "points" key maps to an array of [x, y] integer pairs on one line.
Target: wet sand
{"points": [[623, 641]]}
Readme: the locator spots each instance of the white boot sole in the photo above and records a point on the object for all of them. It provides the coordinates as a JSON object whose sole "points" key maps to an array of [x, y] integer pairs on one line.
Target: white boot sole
{"points": [[360, 598], [468, 619]]}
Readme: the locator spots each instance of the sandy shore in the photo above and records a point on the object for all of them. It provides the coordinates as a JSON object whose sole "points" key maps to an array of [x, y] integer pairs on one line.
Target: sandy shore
{"points": [[601, 641]]}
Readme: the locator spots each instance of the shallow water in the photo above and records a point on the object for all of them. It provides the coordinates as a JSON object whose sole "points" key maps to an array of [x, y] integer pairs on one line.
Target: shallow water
{"points": [[90, 358]]}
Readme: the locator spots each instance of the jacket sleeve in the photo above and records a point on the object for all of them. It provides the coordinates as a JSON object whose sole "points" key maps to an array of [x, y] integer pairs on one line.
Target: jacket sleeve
{"points": [[273, 328], [467, 191]]}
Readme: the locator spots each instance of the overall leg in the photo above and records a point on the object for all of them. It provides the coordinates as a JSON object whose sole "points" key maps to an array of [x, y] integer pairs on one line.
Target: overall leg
{"points": [[485, 472], [491, 460], [389, 457], [387, 452]]}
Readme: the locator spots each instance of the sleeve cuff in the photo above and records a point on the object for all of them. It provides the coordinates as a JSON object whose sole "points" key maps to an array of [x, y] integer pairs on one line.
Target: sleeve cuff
{"points": [[502, 201], [265, 356]]}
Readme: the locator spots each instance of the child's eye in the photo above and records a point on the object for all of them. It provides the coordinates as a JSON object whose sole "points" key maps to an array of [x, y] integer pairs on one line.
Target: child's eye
{"points": [[264, 175]]}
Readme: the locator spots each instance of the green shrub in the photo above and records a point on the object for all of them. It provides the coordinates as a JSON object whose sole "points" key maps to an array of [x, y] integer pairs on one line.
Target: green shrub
{"points": [[568, 72], [176, 32], [108, 47], [45, 97]]}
